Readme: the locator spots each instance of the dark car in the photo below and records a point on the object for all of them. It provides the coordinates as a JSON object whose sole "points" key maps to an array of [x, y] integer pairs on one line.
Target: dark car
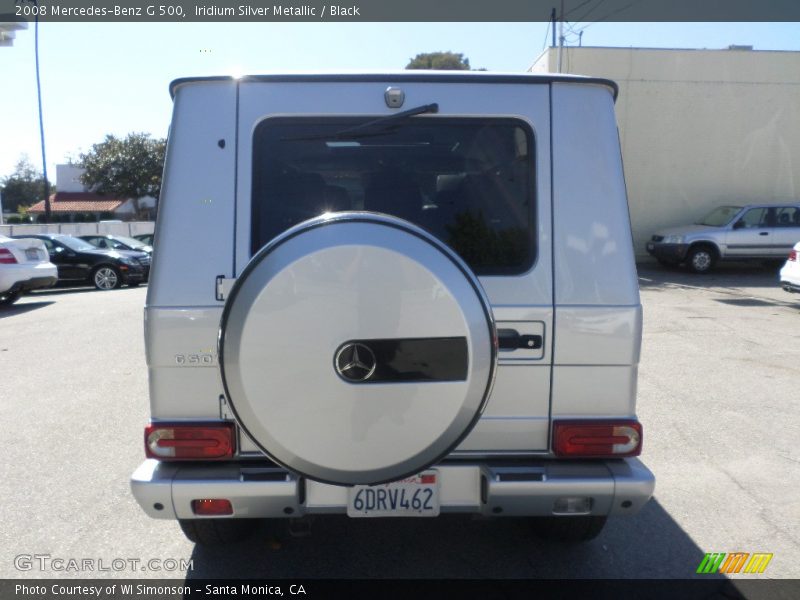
{"points": [[124, 245], [146, 238], [78, 260]]}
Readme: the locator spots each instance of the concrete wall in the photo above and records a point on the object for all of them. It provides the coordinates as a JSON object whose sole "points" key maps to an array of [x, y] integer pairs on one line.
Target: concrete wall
{"points": [[699, 128], [130, 228]]}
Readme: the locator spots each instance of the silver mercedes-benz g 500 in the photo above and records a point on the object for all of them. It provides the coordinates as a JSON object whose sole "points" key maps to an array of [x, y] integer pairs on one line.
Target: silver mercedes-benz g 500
{"points": [[393, 295]]}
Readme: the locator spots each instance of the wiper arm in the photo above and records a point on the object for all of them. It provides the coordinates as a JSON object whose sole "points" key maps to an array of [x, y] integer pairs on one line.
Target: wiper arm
{"points": [[389, 119], [364, 128]]}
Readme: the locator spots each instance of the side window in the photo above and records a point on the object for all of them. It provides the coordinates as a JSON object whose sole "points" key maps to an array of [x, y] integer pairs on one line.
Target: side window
{"points": [[788, 216], [755, 217], [48, 244]]}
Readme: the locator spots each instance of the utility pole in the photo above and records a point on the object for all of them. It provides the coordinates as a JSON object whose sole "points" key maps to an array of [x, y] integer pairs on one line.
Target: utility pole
{"points": [[560, 36], [41, 122]]}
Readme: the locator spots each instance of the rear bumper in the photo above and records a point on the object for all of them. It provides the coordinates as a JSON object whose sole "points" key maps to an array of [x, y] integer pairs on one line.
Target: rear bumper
{"points": [[35, 283], [24, 277], [790, 276], [615, 487], [791, 286]]}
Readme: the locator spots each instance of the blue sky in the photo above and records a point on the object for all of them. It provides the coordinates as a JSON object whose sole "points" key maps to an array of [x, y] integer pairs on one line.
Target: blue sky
{"points": [[113, 77]]}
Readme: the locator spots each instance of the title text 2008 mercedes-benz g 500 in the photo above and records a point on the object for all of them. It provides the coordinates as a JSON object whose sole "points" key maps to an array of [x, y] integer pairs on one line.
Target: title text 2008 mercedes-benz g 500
{"points": [[393, 295]]}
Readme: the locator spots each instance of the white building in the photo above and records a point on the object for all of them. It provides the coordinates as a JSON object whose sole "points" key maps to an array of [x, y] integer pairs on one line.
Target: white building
{"points": [[8, 31], [73, 199], [698, 128]]}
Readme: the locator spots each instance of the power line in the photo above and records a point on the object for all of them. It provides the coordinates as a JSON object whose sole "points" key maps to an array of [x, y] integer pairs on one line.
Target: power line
{"points": [[582, 18], [608, 16], [576, 7]]}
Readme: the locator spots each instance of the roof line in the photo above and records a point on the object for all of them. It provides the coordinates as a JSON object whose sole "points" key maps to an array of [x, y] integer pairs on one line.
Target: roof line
{"points": [[419, 76], [674, 49]]}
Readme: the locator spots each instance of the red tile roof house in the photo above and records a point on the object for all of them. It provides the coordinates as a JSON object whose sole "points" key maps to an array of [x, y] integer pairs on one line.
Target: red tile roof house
{"points": [[73, 199]]}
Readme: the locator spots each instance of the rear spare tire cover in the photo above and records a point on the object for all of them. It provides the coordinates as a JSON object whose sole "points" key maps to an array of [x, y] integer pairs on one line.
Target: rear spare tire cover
{"points": [[357, 348]]}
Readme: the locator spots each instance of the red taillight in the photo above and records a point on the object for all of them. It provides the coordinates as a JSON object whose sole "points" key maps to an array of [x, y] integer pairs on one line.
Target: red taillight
{"points": [[597, 438], [189, 442], [793, 255], [6, 258], [212, 507]]}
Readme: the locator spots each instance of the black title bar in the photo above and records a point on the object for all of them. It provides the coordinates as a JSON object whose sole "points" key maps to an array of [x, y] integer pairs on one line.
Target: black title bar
{"points": [[388, 589], [151, 11]]}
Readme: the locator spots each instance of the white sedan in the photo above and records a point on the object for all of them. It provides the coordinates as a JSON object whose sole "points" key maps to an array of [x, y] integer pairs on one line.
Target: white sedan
{"points": [[790, 273], [24, 265]]}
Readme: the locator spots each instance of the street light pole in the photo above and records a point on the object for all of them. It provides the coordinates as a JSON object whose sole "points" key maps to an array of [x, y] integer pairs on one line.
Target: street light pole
{"points": [[41, 120]]}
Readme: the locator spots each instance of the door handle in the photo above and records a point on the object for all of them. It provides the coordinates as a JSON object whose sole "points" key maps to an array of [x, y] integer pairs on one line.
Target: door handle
{"points": [[510, 339], [764, 233]]}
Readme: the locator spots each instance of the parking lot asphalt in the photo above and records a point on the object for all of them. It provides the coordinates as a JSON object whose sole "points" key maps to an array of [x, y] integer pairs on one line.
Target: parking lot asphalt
{"points": [[718, 396]]}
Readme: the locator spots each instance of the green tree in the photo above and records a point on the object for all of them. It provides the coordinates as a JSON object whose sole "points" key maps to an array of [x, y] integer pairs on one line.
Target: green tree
{"points": [[125, 168], [25, 186], [449, 61]]}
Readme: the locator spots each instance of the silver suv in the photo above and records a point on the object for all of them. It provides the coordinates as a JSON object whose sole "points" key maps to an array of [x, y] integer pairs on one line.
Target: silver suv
{"points": [[754, 231], [416, 294]]}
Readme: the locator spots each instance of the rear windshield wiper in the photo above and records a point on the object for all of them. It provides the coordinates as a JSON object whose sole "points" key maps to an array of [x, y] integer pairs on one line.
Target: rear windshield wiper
{"points": [[366, 129]]}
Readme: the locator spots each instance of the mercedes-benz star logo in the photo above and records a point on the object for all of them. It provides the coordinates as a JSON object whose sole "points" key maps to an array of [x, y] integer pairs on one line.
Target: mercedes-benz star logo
{"points": [[355, 362]]}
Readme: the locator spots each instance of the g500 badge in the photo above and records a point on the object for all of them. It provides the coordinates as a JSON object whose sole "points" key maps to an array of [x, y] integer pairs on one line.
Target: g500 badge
{"points": [[194, 360]]}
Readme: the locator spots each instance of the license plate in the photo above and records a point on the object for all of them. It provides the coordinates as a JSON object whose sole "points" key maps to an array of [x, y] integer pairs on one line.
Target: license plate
{"points": [[32, 254], [416, 496]]}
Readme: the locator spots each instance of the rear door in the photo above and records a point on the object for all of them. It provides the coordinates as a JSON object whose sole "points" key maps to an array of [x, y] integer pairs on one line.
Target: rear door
{"points": [[73, 264], [787, 229], [58, 256], [475, 174]]}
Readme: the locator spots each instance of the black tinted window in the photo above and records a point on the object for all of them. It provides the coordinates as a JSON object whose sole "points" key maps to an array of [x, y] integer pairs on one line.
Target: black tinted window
{"points": [[788, 216], [469, 182]]}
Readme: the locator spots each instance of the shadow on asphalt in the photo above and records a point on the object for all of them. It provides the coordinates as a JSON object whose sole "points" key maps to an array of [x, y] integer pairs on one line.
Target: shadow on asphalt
{"points": [[753, 302], [18, 309], [648, 545], [724, 275], [57, 290]]}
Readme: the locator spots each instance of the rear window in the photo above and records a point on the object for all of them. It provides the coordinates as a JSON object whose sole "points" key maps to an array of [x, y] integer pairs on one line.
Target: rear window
{"points": [[468, 181]]}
